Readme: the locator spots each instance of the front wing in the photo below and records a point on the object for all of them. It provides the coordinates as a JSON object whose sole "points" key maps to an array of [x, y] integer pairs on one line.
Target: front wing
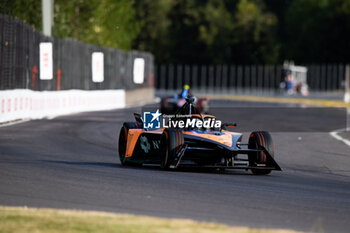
{"points": [[146, 150]]}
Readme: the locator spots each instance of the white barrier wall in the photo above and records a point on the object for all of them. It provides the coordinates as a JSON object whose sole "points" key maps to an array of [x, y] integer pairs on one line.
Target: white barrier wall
{"points": [[27, 104]]}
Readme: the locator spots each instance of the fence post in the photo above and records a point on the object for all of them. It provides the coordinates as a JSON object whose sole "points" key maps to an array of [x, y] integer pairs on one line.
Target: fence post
{"points": [[272, 79], [232, 78], [310, 76], [329, 78], [33, 77], [334, 77], [211, 79], [266, 79], [253, 82], [217, 85], [171, 77], [324, 77], [318, 78], [246, 80], [58, 85], [194, 80], [224, 83], [260, 79], [279, 77], [239, 78], [187, 75], [162, 77], [203, 78], [347, 84], [179, 77], [341, 77]]}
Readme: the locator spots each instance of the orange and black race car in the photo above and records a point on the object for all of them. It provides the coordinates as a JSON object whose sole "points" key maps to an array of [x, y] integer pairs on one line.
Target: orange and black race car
{"points": [[208, 147]]}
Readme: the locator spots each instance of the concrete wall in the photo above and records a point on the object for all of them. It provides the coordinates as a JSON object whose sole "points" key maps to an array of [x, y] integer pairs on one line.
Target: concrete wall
{"points": [[139, 96], [27, 104]]}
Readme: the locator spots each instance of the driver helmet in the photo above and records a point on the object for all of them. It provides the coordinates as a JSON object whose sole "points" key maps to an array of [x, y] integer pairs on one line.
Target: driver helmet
{"points": [[185, 91]]}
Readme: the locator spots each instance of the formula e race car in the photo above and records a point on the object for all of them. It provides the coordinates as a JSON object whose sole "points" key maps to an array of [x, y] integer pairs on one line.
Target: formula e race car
{"points": [[171, 104], [194, 145]]}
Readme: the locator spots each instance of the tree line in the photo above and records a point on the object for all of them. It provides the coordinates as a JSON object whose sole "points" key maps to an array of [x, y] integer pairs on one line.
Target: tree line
{"points": [[204, 32]]}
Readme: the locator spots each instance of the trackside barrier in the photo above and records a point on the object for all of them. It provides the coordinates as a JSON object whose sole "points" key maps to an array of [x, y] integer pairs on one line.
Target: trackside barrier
{"points": [[30, 60], [27, 104]]}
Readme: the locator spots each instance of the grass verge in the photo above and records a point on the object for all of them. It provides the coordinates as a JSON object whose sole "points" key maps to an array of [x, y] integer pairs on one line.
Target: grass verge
{"points": [[22, 219]]}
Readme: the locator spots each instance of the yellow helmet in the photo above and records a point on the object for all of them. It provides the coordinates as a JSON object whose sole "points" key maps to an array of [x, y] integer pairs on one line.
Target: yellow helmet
{"points": [[186, 87]]}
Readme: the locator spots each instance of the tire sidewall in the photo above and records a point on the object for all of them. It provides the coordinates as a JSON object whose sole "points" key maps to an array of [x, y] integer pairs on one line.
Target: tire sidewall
{"points": [[257, 139], [171, 141]]}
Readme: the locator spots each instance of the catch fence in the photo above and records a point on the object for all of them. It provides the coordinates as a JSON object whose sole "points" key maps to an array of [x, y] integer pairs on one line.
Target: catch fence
{"points": [[250, 79], [72, 62]]}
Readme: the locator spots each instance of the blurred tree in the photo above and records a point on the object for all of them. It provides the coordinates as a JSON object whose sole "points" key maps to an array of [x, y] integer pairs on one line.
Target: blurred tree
{"points": [[215, 31], [197, 31], [104, 22], [280, 8], [27, 10], [254, 35], [116, 24], [74, 19], [319, 31], [183, 33], [154, 22]]}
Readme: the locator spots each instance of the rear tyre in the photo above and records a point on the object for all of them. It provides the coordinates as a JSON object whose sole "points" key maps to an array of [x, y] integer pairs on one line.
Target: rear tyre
{"points": [[123, 139], [256, 139], [171, 142]]}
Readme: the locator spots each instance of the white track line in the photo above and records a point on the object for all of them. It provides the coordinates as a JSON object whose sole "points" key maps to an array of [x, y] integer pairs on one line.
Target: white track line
{"points": [[335, 135]]}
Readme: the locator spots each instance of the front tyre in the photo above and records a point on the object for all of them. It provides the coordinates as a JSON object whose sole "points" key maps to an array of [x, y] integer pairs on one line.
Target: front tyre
{"points": [[257, 140], [123, 139], [171, 143]]}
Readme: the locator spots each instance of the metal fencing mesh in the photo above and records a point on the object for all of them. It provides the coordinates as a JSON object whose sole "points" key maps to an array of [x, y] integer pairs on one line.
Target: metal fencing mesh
{"points": [[19, 62], [245, 78]]}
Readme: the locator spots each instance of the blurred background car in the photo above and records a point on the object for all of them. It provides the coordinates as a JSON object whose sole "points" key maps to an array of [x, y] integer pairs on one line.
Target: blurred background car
{"points": [[170, 104]]}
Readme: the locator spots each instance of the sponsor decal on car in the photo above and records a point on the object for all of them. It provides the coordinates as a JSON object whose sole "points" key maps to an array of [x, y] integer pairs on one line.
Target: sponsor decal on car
{"points": [[145, 145]]}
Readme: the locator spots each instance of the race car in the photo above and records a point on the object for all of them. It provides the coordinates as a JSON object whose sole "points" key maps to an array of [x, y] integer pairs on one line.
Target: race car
{"points": [[170, 104], [192, 146]]}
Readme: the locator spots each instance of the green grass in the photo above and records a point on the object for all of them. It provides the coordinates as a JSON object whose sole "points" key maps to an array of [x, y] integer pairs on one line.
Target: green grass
{"points": [[21, 219]]}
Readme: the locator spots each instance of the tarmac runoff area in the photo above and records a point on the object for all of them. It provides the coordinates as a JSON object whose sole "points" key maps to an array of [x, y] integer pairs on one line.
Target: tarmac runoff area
{"points": [[71, 162]]}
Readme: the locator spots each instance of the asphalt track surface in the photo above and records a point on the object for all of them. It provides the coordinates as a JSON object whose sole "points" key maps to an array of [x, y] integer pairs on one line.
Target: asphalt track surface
{"points": [[71, 162]]}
